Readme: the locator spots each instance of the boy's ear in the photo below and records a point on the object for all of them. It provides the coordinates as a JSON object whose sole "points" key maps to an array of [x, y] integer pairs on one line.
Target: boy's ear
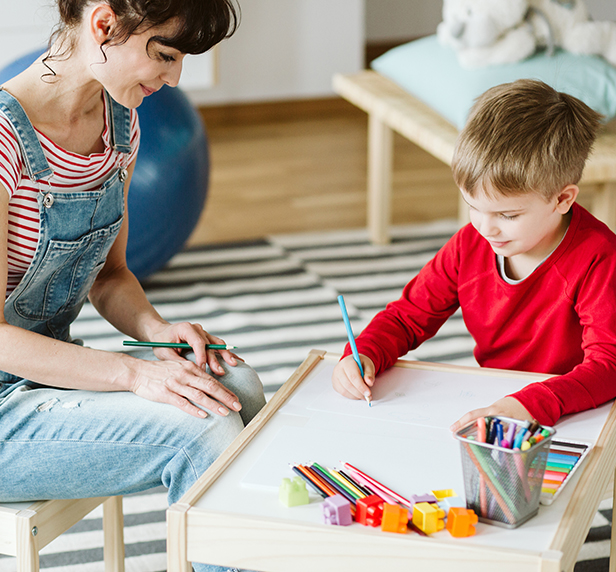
{"points": [[102, 21], [566, 198]]}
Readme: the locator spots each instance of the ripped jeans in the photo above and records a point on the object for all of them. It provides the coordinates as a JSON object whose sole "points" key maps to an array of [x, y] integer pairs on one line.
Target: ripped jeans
{"points": [[58, 443]]}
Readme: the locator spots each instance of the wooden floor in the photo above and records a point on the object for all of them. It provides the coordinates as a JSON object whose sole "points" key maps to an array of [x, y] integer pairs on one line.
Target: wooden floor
{"points": [[282, 168]]}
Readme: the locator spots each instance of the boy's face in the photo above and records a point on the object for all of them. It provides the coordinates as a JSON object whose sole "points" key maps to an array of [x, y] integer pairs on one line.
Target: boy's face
{"points": [[523, 226]]}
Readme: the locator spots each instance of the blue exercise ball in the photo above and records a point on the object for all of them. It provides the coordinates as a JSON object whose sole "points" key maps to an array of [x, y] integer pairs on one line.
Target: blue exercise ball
{"points": [[170, 181], [169, 185]]}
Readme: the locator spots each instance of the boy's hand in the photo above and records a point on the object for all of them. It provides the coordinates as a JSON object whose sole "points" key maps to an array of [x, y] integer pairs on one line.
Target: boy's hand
{"points": [[505, 407], [347, 380]]}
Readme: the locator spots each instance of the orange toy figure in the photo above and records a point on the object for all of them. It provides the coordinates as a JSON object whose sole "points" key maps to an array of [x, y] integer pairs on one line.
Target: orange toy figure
{"points": [[369, 510], [428, 518], [461, 522], [395, 518]]}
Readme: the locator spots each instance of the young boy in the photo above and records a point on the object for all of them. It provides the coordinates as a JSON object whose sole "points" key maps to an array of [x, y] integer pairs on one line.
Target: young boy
{"points": [[534, 273]]}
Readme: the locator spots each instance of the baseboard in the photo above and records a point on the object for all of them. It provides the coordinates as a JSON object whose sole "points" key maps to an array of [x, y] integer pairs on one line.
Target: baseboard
{"points": [[276, 111]]}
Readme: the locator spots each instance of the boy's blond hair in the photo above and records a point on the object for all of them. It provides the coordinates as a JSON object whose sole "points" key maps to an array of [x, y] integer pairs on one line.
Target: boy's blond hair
{"points": [[524, 137]]}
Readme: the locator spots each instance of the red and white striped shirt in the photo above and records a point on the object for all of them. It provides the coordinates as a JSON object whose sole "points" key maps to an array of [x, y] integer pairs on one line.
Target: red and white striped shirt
{"points": [[71, 172]]}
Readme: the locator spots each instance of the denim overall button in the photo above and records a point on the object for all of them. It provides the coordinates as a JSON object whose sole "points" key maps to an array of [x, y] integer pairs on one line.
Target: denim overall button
{"points": [[122, 175], [48, 200]]}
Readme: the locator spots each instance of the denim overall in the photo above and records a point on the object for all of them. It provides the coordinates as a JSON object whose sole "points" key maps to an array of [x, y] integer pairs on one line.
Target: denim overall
{"points": [[77, 230], [57, 443]]}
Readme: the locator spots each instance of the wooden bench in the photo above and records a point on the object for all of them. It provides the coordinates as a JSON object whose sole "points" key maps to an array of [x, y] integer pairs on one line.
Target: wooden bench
{"points": [[27, 527], [391, 108]]}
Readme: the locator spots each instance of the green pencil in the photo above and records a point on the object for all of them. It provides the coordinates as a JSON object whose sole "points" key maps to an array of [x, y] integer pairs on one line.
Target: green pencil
{"points": [[175, 345]]}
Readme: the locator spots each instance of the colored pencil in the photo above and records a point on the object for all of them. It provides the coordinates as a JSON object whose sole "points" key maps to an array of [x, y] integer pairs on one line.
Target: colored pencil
{"points": [[332, 483], [324, 484], [494, 486], [312, 484], [373, 489], [359, 485], [176, 345], [344, 481], [376, 483], [318, 482], [347, 323]]}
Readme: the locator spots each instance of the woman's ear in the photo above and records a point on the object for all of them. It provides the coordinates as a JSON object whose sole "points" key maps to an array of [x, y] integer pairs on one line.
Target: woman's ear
{"points": [[566, 198], [102, 22]]}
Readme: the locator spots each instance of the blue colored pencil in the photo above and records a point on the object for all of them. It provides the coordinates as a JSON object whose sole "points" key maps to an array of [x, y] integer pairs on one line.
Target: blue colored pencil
{"points": [[347, 323]]}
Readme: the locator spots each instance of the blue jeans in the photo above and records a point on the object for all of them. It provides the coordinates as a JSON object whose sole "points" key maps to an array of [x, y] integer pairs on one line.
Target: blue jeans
{"points": [[58, 443]]}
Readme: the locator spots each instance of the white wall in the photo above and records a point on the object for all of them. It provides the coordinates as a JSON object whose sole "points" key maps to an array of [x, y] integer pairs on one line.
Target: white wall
{"points": [[284, 49], [288, 49]]}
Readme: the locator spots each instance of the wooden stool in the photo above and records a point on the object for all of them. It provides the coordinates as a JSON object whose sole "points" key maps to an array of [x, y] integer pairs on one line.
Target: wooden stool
{"points": [[391, 108], [25, 528]]}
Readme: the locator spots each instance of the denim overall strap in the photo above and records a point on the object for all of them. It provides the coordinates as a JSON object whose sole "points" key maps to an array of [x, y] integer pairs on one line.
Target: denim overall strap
{"points": [[119, 125], [34, 159], [77, 230]]}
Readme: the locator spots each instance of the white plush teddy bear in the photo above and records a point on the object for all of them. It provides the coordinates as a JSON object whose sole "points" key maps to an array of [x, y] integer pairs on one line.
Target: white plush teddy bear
{"points": [[491, 32]]}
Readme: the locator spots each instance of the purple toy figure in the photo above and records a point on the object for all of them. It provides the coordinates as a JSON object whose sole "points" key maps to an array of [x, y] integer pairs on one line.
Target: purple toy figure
{"points": [[337, 510]]}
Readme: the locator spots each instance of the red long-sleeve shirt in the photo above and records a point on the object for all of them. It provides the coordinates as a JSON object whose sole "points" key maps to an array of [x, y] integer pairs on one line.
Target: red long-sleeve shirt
{"points": [[559, 320]]}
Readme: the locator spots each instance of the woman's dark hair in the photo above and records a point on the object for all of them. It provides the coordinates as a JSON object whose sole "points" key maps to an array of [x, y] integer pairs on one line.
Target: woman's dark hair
{"points": [[201, 23]]}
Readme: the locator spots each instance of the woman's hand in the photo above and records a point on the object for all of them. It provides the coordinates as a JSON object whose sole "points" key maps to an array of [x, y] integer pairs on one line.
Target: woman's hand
{"points": [[198, 338], [181, 383], [505, 407], [347, 380]]}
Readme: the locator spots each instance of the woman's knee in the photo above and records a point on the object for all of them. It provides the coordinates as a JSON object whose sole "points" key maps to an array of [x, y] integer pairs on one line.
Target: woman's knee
{"points": [[245, 383]]}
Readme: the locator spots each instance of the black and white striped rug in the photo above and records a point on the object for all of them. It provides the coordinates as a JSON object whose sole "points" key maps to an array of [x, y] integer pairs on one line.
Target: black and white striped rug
{"points": [[275, 299]]}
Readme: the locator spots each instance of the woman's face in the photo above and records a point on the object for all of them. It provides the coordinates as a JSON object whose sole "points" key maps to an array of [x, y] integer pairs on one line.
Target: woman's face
{"points": [[135, 69]]}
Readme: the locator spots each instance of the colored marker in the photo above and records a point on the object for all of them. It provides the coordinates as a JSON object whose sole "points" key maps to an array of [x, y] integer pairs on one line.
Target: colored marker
{"points": [[481, 430], [508, 442], [499, 434], [175, 345], [347, 323], [519, 438]]}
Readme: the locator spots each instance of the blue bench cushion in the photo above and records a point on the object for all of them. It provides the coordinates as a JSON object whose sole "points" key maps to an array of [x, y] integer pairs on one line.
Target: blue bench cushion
{"points": [[431, 73]]}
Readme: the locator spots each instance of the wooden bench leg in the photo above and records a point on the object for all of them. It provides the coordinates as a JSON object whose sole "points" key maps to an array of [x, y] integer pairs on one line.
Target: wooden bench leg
{"points": [[604, 204], [463, 214], [113, 530], [27, 543], [380, 167]]}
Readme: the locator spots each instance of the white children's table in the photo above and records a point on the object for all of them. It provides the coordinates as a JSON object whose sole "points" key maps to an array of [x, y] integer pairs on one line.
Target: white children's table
{"points": [[232, 515]]}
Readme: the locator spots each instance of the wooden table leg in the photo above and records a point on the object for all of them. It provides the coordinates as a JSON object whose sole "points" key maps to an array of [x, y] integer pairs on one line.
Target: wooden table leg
{"points": [[380, 167], [177, 560], [612, 567]]}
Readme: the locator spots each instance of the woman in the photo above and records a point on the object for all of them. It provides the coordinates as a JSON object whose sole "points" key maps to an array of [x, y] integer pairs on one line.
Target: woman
{"points": [[77, 422]]}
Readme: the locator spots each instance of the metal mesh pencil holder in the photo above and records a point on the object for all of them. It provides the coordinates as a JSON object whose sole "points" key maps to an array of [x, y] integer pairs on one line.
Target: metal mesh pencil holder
{"points": [[502, 485]]}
